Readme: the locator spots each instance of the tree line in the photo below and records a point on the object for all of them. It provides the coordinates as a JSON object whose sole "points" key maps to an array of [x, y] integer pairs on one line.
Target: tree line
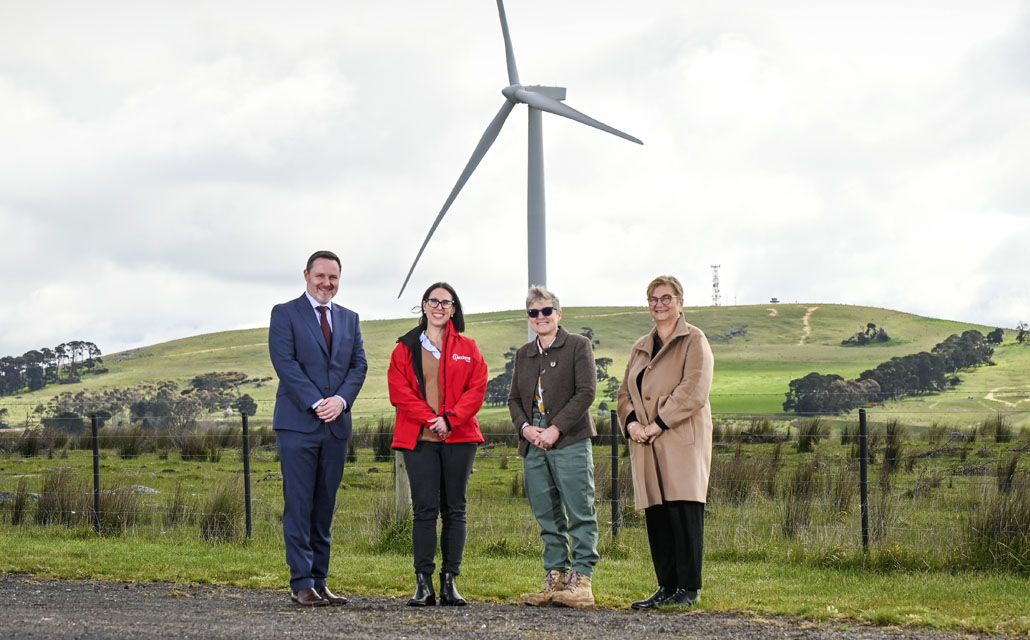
{"points": [[36, 368], [917, 373], [157, 406]]}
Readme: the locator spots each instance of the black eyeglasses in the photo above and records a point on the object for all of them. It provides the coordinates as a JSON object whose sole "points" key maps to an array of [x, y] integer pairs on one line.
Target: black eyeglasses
{"points": [[666, 300], [547, 311], [434, 303]]}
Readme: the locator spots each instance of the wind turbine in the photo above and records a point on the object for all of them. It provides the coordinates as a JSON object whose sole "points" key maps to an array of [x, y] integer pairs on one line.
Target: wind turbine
{"points": [[538, 99]]}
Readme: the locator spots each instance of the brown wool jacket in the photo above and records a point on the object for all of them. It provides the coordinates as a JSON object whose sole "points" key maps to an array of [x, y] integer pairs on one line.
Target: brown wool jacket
{"points": [[676, 466], [569, 380]]}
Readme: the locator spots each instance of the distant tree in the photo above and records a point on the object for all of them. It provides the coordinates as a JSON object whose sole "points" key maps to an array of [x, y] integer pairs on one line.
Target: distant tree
{"points": [[869, 335], [996, 336], [602, 367], [1022, 332], [497, 388], [218, 380], [3, 418], [611, 388], [588, 333], [245, 404]]}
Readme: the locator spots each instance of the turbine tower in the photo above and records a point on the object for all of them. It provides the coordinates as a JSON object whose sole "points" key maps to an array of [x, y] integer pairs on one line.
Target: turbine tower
{"points": [[538, 99]]}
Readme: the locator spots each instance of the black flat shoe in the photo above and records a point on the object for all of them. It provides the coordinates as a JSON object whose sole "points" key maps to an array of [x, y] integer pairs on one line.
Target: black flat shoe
{"points": [[681, 598], [424, 594], [449, 596], [652, 602]]}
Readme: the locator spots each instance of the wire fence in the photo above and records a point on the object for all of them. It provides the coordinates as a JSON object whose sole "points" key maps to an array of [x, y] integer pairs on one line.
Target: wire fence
{"points": [[921, 496]]}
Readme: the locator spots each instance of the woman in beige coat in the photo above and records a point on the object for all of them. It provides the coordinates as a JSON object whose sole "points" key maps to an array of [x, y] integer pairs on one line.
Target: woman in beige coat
{"points": [[663, 403]]}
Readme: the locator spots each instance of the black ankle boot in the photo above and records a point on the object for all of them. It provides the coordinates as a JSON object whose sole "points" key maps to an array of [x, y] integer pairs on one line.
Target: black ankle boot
{"points": [[424, 594], [449, 596]]}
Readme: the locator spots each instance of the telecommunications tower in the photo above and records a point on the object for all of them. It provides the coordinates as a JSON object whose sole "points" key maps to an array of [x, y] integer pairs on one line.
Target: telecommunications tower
{"points": [[716, 296]]}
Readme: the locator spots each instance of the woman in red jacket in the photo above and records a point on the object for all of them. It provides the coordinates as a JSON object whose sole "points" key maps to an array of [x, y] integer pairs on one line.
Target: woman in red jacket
{"points": [[437, 383]]}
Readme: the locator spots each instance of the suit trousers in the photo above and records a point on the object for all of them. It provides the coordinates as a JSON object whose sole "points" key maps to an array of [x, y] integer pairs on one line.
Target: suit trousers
{"points": [[312, 467], [675, 531], [439, 473], [560, 488]]}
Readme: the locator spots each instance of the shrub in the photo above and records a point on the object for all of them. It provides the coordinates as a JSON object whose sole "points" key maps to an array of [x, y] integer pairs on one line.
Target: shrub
{"points": [[737, 478], [997, 530], [391, 530], [191, 446], [810, 432], [30, 443], [383, 440], [894, 445], [20, 504], [180, 509], [65, 499], [1006, 473], [797, 498], [222, 518], [842, 488], [998, 426], [119, 510]]}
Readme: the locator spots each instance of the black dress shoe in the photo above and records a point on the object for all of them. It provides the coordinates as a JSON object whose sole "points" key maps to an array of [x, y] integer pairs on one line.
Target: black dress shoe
{"points": [[449, 596], [424, 594], [308, 598], [331, 597], [681, 598], [656, 598]]}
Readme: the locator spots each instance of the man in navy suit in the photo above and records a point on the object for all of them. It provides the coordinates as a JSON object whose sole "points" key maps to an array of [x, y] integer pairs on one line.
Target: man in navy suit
{"points": [[317, 352]]}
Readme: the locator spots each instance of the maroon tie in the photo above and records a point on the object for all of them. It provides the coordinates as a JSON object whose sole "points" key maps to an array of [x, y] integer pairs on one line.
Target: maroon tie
{"points": [[326, 331]]}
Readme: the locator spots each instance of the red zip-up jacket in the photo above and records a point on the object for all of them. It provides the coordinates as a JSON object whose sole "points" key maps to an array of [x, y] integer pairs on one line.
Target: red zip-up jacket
{"points": [[463, 374]]}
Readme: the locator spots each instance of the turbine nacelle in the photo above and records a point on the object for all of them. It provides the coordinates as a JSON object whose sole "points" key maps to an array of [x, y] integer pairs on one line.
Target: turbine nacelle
{"points": [[511, 92]]}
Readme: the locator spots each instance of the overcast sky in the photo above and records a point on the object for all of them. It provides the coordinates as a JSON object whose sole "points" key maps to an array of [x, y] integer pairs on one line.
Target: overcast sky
{"points": [[167, 167]]}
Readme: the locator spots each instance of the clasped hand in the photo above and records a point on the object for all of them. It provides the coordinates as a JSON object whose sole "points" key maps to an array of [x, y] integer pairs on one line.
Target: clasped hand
{"points": [[643, 434], [329, 409], [439, 427], [542, 438]]}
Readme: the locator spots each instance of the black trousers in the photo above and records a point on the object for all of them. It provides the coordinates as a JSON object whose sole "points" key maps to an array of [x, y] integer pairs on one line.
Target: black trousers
{"points": [[675, 531], [439, 475]]}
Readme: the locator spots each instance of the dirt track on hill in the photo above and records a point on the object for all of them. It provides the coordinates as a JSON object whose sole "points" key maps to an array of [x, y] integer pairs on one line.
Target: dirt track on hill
{"points": [[65, 609]]}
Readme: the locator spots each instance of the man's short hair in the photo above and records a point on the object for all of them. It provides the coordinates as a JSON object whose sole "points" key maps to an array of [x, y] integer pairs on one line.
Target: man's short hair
{"points": [[323, 255]]}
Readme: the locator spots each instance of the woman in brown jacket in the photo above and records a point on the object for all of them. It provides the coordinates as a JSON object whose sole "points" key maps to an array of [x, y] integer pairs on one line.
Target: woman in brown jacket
{"points": [[552, 388], [663, 403]]}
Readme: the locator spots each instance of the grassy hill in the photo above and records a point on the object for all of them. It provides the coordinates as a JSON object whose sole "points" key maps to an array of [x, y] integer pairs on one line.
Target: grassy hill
{"points": [[772, 344]]}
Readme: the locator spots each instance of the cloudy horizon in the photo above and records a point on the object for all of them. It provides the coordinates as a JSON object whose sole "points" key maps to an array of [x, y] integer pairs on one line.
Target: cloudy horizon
{"points": [[168, 168]]}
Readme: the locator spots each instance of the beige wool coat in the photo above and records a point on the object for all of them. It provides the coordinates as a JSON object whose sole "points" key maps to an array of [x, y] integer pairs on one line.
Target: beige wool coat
{"points": [[676, 466]]}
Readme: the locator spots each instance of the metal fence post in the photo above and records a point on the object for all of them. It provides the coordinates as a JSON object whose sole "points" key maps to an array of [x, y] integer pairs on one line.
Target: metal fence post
{"points": [[863, 462], [97, 512], [616, 510], [246, 475]]}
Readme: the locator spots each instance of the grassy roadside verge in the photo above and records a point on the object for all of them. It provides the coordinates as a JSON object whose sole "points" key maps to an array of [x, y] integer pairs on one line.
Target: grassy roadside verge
{"points": [[963, 602]]}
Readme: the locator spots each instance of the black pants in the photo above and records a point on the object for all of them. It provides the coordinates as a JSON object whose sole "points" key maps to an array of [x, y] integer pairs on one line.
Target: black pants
{"points": [[439, 475], [675, 531]]}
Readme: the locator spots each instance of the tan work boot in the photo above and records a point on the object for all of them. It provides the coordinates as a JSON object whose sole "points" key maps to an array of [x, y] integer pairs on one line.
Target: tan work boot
{"points": [[577, 592], [554, 582]]}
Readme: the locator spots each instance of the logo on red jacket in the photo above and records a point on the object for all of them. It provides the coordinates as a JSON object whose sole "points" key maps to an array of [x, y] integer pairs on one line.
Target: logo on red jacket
{"points": [[467, 359]]}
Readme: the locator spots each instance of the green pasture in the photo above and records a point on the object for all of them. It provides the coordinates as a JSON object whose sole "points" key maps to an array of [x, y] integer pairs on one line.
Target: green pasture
{"points": [[752, 373], [921, 569]]}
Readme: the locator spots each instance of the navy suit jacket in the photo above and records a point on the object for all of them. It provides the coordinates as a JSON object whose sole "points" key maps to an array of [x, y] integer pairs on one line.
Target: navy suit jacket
{"points": [[307, 372]]}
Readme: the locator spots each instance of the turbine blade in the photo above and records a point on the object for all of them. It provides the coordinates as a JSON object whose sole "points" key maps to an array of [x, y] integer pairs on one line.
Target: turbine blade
{"points": [[509, 53], [550, 105], [484, 144]]}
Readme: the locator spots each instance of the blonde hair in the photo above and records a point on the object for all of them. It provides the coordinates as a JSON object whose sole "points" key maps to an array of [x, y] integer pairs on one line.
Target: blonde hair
{"points": [[670, 281], [537, 293]]}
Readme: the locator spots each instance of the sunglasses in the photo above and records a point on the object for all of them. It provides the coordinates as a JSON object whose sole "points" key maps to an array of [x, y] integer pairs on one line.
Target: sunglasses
{"points": [[547, 311]]}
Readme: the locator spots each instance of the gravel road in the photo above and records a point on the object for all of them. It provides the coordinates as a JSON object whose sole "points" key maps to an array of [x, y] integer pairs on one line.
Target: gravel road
{"points": [[59, 609]]}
